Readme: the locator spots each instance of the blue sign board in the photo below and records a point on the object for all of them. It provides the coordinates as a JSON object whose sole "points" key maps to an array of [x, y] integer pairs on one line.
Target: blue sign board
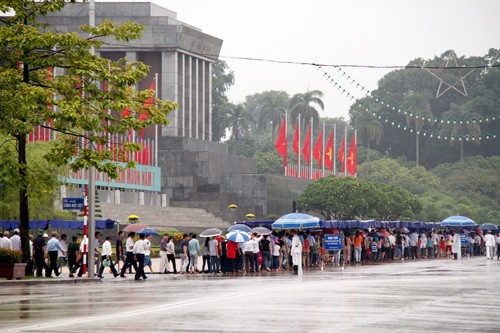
{"points": [[72, 203], [333, 242], [464, 239]]}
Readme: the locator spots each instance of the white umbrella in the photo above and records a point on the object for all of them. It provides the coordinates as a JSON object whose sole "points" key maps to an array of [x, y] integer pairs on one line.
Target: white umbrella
{"points": [[212, 232]]}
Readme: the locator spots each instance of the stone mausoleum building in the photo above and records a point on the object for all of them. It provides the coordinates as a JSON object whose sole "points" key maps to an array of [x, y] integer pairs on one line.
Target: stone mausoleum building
{"points": [[195, 171]]}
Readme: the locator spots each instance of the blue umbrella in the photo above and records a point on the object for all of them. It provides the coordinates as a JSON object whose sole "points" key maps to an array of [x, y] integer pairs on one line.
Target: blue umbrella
{"points": [[238, 236], [297, 221], [147, 231], [240, 227], [457, 221]]}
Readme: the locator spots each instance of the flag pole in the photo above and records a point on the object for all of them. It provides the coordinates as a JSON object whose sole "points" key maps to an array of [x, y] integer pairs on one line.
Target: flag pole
{"points": [[356, 144], [299, 174], [323, 150], [334, 149], [345, 152], [156, 125], [311, 150], [286, 139]]}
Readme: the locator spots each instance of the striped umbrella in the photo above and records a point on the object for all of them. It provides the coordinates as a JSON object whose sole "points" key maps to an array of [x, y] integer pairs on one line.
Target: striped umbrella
{"points": [[457, 221], [297, 221], [238, 236]]}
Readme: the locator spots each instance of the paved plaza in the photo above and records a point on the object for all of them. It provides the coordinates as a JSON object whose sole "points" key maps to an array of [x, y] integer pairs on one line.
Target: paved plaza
{"points": [[412, 296]]}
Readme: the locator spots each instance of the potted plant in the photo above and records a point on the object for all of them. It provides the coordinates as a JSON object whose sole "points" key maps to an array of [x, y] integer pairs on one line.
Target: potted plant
{"points": [[10, 264]]}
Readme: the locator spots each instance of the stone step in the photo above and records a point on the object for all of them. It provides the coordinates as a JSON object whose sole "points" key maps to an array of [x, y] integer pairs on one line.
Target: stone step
{"points": [[184, 219]]}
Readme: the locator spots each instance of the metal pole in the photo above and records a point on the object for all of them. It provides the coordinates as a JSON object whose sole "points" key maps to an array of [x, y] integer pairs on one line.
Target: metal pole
{"points": [[91, 188], [156, 125], [334, 149], [323, 151], [345, 152], [311, 150], [299, 151]]}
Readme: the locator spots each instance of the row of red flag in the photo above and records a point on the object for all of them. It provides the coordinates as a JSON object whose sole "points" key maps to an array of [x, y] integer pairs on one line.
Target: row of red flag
{"points": [[350, 164]]}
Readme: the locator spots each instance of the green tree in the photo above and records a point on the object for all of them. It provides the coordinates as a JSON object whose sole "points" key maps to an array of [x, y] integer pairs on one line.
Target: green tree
{"points": [[268, 162], [222, 81], [306, 105], [79, 103], [238, 122], [369, 130], [349, 198], [271, 112], [418, 103], [461, 130]]}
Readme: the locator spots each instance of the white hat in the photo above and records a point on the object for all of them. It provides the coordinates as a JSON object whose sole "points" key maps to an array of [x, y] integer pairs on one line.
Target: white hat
{"points": [[16, 231], [45, 236]]}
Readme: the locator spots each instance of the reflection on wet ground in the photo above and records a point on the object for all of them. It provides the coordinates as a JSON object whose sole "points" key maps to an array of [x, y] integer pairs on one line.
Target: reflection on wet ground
{"points": [[424, 296]]}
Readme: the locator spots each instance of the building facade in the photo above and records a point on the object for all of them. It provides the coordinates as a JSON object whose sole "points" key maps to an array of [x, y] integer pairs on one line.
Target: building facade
{"points": [[180, 54]]}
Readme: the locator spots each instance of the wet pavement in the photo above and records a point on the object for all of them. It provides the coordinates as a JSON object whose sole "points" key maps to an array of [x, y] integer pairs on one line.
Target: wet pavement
{"points": [[411, 296]]}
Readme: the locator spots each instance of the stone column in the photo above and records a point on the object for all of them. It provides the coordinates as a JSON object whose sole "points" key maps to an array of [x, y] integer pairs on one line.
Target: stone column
{"points": [[169, 90]]}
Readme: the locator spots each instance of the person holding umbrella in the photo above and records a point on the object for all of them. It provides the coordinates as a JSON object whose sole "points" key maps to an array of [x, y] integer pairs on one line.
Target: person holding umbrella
{"points": [[296, 252]]}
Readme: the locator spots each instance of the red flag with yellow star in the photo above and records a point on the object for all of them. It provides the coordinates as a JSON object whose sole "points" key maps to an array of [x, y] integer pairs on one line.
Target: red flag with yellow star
{"points": [[352, 158], [329, 153], [318, 148], [281, 145], [296, 140], [306, 148], [340, 154]]}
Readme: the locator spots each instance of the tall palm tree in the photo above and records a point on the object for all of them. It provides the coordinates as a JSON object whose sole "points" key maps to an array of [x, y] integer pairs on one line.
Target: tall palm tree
{"points": [[462, 130], [369, 129], [418, 104], [271, 112], [307, 105], [238, 122]]}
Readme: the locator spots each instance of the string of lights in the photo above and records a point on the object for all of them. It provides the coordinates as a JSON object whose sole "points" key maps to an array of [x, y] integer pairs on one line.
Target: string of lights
{"points": [[432, 134], [393, 107]]}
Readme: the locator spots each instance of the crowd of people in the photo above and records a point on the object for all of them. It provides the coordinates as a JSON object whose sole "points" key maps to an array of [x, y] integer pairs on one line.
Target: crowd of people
{"points": [[292, 250]]}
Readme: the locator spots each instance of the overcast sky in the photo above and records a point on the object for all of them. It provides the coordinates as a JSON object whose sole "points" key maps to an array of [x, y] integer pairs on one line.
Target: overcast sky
{"points": [[360, 32]]}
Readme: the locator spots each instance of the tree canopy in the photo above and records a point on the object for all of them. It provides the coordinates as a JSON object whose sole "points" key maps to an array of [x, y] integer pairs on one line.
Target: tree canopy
{"points": [[348, 198], [82, 104]]}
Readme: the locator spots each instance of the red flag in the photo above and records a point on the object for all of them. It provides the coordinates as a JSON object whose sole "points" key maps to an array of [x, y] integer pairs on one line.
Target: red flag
{"points": [[144, 115], [340, 154], [318, 148], [352, 158], [306, 149], [281, 144], [329, 153], [296, 140]]}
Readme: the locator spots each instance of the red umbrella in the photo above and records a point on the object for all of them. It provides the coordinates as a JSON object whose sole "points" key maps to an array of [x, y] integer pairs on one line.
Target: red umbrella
{"points": [[331, 231], [134, 227], [384, 232]]}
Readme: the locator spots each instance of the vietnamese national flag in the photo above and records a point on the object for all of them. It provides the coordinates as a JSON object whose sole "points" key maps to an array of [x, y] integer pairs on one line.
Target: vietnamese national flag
{"points": [[144, 115], [340, 154], [329, 153], [281, 144], [318, 148], [306, 149], [296, 140], [351, 157]]}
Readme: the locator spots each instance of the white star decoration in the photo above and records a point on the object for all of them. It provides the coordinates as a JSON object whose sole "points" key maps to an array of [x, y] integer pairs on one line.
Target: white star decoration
{"points": [[460, 89]]}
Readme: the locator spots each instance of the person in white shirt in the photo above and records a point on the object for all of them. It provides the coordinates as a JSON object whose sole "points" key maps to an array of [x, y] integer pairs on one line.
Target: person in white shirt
{"points": [[61, 255], [171, 252], [140, 248], [489, 242], [5, 242], [129, 259], [296, 252], [16, 240], [106, 254], [147, 255]]}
